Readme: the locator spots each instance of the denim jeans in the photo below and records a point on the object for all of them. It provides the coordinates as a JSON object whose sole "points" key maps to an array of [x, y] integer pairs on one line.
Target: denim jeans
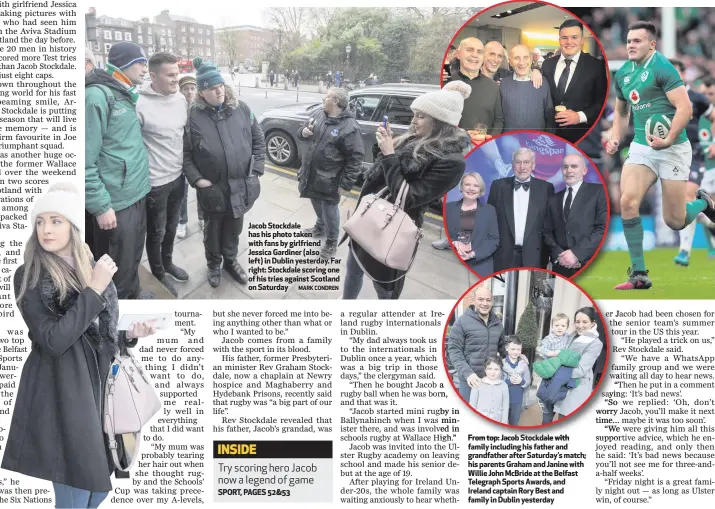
{"points": [[163, 205], [464, 389], [67, 497], [547, 412], [184, 218], [353, 282], [328, 218]]}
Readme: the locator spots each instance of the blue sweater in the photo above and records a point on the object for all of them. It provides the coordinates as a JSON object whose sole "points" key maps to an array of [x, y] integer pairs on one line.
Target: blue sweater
{"points": [[526, 107]]}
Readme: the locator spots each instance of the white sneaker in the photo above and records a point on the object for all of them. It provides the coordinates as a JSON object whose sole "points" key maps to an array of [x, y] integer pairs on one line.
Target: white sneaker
{"points": [[201, 224], [181, 231]]}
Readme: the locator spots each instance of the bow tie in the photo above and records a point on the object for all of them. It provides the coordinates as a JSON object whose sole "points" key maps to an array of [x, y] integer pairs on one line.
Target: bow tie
{"points": [[518, 185]]}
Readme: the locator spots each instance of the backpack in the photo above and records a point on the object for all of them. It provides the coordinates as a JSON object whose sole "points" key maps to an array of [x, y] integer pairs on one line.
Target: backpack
{"points": [[108, 95], [129, 403]]}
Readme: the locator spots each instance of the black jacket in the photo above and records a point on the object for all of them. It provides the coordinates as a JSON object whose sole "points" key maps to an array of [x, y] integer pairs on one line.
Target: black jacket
{"points": [[334, 158], [471, 342], [228, 148], [485, 235], [586, 92], [428, 181], [56, 431], [583, 231], [501, 196]]}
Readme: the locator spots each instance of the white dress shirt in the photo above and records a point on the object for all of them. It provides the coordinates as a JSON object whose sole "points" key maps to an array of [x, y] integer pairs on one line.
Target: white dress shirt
{"points": [[560, 66], [575, 188], [521, 207]]}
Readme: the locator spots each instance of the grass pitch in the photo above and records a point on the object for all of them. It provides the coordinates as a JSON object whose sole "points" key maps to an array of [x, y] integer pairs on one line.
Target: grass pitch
{"points": [[670, 281]]}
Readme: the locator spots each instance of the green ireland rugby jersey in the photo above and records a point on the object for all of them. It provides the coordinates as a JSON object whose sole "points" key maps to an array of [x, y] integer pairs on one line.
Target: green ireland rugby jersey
{"points": [[644, 87], [705, 134]]}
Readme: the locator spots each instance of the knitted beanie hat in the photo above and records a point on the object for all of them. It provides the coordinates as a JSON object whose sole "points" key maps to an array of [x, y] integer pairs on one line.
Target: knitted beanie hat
{"points": [[64, 199], [207, 74], [125, 54], [187, 80], [446, 104]]}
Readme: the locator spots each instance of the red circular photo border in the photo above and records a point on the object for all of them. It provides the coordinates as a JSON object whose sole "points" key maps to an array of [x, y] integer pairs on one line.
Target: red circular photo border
{"points": [[600, 176], [596, 39], [606, 365]]}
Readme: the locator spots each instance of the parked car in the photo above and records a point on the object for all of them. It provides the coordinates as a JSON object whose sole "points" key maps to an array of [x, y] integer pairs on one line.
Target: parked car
{"points": [[281, 125]]}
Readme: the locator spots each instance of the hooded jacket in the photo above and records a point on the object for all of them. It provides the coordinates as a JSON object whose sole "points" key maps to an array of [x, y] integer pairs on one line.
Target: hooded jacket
{"points": [[225, 146], [334, 158], [589, 346], [116, 165], [163, 119], [429, 181], [471, 342], [56, 432]]}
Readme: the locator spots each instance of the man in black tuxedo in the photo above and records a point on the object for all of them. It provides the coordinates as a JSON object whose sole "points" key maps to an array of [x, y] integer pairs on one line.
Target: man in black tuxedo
{"points": [[578, 82], [575, 219], [520, 203]]}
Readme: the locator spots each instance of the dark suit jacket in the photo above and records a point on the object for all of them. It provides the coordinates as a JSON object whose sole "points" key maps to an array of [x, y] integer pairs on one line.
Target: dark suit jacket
{"points": [[583, 231], [501, 197], [485, 235], [586, 92]]}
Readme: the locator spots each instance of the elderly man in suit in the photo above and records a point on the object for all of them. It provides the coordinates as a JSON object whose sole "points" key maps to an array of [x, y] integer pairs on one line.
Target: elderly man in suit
{"points": [[575, 219], [578, 83], [520, 202]]}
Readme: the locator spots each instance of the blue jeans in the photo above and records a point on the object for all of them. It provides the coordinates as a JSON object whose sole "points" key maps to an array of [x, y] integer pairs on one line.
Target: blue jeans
{"points": [[464, 389], [67, 497], [328, 218], [353, 282]]}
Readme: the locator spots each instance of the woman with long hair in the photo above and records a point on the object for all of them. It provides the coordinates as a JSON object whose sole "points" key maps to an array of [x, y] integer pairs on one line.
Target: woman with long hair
{"points": [[70, 307], [430, 157], [472, 225], [584, 340]]}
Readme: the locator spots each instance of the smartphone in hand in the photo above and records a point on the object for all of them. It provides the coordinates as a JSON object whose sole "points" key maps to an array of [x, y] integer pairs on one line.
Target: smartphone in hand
{"points": [[384, 122]]}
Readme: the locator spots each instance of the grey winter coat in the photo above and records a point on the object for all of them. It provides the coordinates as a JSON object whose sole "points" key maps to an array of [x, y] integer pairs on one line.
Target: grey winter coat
{"points": [[56, 431], [471, 341], [225, 146], [589, 346], [334, 159]]}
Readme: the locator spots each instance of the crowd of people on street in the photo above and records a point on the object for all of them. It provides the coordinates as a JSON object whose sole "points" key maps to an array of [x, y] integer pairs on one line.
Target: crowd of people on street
{"points": [[562, 94], [148, 140], [524, 223], [492, 373]]}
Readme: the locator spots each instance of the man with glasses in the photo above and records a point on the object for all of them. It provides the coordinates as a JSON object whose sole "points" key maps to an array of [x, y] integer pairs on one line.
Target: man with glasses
{"points": [[476, 335], [332, 162], [520, 202]]}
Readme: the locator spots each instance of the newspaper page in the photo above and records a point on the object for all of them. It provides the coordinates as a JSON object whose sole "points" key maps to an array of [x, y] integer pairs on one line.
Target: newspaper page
{"points": [[433, 208]]}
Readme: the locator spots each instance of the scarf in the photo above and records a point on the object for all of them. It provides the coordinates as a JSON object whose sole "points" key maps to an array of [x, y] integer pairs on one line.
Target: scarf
{"points": [[118, 75]]}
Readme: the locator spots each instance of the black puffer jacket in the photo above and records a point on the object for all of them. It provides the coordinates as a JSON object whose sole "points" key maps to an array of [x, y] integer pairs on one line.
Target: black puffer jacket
{"points": [[471, 341], [227, 147], [335, 156]]}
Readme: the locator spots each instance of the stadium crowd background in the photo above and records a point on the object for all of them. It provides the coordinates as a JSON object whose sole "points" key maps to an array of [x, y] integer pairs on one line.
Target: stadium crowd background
{"points": [[685, 34]]}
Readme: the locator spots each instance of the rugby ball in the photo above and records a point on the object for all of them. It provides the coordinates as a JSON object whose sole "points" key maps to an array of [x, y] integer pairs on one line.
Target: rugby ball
{"points": [[658, 125]]}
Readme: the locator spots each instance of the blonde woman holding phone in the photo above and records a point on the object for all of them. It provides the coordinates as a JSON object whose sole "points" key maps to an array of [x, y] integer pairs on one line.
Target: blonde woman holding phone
{"points": [[69, 304]]}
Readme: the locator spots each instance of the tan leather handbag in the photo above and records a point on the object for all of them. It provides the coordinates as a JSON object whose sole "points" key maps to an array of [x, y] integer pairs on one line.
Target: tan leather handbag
{"points": [[384, 230]]}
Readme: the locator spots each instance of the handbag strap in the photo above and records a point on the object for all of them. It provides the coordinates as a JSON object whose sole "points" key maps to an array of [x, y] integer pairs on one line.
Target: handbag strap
{"points": [[377, 280], [402, 195]]}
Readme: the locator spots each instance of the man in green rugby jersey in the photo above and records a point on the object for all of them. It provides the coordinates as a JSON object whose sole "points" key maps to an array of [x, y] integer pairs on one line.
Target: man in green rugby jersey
{"points": [[648, 84]]}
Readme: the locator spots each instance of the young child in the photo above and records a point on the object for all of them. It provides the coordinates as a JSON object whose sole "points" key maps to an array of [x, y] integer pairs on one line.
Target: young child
{"points": [[550, 346], [491, 397], [516, 376]]}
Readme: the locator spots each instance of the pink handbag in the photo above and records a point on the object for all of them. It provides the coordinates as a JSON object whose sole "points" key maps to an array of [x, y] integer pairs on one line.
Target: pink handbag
{"points": [[129, 402], [384, 230]]}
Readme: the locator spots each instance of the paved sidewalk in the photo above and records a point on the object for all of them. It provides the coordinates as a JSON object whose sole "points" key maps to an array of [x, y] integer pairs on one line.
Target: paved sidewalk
{"points": [[434, 275]]}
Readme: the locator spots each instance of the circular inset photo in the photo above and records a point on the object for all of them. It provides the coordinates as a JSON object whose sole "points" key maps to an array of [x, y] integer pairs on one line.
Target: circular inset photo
{"points": [[525, 348], [530, 200], [531, 66]]}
